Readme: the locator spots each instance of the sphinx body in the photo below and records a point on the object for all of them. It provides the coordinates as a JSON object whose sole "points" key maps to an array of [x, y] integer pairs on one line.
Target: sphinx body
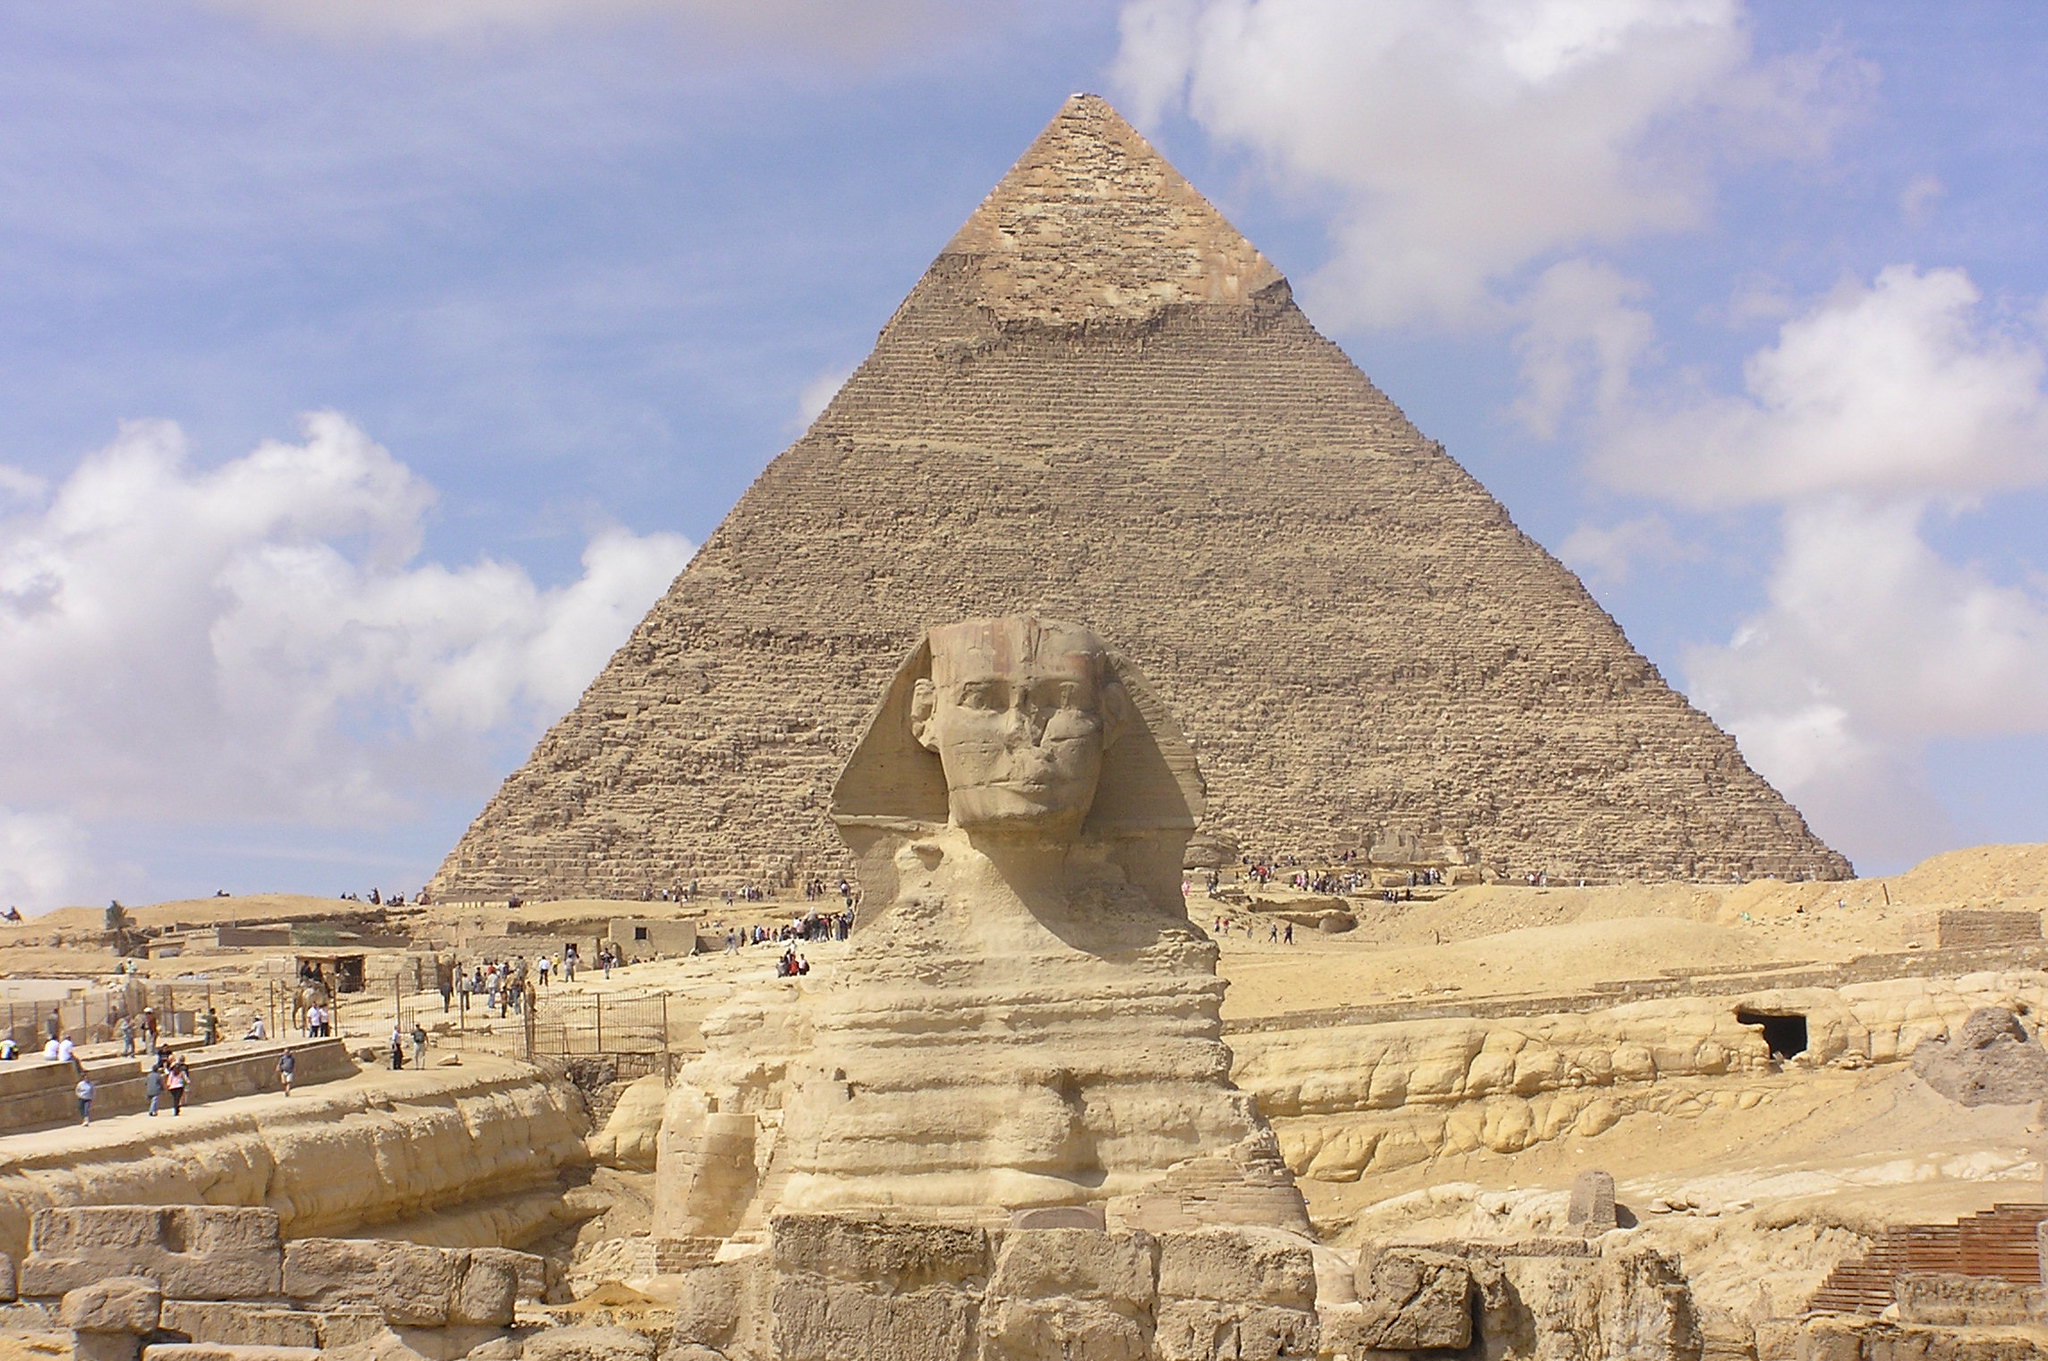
{"points": [[1025, 1017]]}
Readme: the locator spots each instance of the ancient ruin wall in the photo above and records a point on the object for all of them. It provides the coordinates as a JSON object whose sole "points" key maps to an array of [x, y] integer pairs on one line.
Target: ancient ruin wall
{"points": [[1102, 404]]}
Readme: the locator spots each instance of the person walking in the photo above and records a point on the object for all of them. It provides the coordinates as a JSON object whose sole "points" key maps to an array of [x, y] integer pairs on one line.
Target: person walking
{"points": [[84, 1092], [397, 1048], [127, 1036], [153, 1085], [287, 1068], [419, 1045], [176, 1081]]}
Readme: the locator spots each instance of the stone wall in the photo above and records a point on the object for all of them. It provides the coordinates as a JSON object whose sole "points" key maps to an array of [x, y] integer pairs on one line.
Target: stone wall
{"points": [[829, 1288], [35, 1093], [126, 1277], [1101, 404]]}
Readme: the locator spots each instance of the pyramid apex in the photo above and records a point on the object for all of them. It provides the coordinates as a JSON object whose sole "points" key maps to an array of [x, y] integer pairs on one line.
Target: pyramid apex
{"points": [[1093, 224]]}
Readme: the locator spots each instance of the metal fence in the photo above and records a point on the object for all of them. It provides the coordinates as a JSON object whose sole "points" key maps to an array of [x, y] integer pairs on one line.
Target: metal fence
{"points": [[637, 1033], [94, 1015]]}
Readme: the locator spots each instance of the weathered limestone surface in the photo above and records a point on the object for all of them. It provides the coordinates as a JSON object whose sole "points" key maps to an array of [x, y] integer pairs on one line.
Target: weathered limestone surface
{"points": [[1101, 403], [330, 1162], [119, 1304], [1989, 1061], [1410, 1299], [193, 1252], [1027, 1018], [1352, 1100], [832, 1287]]}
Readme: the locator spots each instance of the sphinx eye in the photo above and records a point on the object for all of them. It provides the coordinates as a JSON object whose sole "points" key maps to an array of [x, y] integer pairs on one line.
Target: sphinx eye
{"points": [[979, 695]]}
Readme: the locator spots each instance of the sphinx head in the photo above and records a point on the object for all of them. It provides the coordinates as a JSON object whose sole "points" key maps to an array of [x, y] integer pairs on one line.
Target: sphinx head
{"points": [[1020, 712]]}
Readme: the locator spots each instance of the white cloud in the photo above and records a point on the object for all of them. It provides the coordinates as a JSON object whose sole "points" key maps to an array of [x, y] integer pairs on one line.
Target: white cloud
{"points": [[42, 860], [1470, 138], [1900, 387], [1872, 645], [260, 640], [1608, 553], [1582, 336], [815, 396]]}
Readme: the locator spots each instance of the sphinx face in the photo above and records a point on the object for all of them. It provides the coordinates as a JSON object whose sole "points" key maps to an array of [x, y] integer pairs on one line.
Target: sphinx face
{"points": [[1016, 715]]}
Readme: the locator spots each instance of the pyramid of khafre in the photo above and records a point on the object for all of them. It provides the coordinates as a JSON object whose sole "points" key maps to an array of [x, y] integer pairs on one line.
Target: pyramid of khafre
{"points": [[1101, 404]]}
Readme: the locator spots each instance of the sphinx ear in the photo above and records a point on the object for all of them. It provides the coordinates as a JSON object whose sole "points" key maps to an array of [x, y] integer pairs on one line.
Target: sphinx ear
{"points": [[923, 700], [1118, 713]]}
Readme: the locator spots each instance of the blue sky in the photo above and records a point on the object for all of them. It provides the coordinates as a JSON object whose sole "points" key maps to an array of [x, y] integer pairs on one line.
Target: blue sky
{"points": [[367, 367]]}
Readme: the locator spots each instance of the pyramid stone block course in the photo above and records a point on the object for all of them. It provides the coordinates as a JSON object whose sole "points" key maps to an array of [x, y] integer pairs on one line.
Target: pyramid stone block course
{"points": [[1101, 403]]}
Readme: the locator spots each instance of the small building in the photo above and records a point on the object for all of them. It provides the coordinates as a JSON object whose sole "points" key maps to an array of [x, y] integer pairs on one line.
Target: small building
{"points": [[652, 937], [339, 972]]}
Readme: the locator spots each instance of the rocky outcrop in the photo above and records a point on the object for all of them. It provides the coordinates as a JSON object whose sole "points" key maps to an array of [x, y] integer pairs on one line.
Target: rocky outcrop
{"points": [[1348, 1100], [336, 1159], [1989, 1061]]}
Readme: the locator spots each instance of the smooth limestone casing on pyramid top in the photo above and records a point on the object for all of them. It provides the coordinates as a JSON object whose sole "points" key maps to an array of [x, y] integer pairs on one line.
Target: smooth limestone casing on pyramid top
{"points": [[1101, 403]]}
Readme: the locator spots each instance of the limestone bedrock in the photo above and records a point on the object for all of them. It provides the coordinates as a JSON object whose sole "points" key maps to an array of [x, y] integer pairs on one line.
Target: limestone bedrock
{"points": [[1026, 1017]]}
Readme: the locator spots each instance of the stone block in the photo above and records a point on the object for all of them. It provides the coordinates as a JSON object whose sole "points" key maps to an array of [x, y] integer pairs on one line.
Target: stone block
{"points": [[119, 1304], [348, 1327], [406, 1282], [531, 1270], [893, 1258], [1237, 1265], [1059, 1329], [1592, 1203], [1205, 1330], [830, 1321], [240, 1324], [106, 1346], [588, 1344], [7, 1295], [223, 1351], [1951, 1300], [1060, 1217], [487, 1292], [1646, 1306], [1084, 1264], [711, 1305], [193, 1252], [1410, 1300]]}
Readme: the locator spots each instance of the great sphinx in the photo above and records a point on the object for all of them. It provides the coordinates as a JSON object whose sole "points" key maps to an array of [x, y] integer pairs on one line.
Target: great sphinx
{"points": [[1025, 1018]]}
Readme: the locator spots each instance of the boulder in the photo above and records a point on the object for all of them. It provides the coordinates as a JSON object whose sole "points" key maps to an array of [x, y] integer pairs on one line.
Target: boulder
{"points": [[1989, 1061], [1410, 1299], [119, 1304]]}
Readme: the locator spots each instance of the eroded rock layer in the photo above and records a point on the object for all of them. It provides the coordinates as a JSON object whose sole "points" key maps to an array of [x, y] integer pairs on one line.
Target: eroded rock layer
{"points": [[1101, 403]]}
